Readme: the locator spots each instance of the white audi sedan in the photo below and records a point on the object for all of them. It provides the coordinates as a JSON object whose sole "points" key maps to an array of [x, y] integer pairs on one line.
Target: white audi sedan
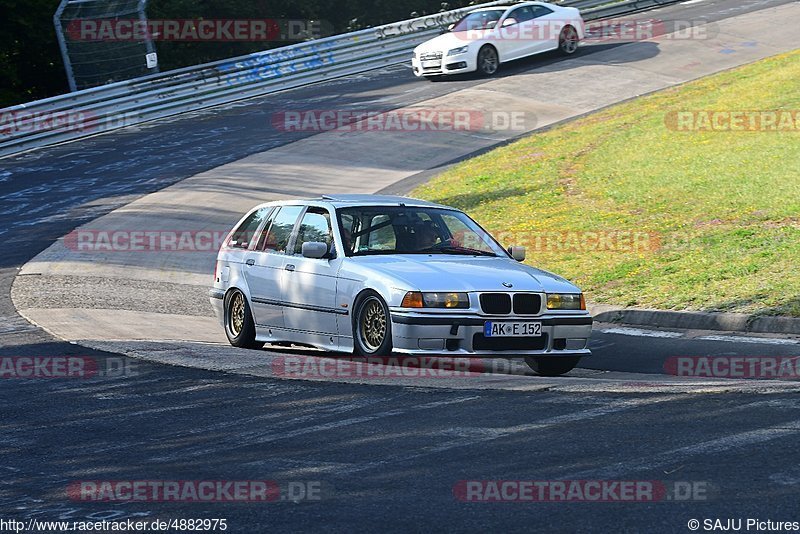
{"points": [[487, 37], [373, 275]]}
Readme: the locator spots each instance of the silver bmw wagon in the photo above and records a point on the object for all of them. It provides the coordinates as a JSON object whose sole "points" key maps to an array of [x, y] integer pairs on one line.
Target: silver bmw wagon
{"points": [[376, 275]]}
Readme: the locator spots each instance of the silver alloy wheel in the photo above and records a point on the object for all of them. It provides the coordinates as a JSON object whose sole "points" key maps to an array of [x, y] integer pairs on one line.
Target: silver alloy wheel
{"points": [[372, 324], [236, 315], [487, 60], [568, 42]]}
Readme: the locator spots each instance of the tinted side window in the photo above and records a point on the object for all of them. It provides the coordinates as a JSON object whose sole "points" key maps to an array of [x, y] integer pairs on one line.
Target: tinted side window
{"points": [[243, 235], [315, 226], [541, 11], [521, 14], [279, 232]]}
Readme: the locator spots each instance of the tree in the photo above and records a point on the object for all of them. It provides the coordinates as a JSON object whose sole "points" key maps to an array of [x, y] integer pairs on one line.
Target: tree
{"points": [[30, 60]]}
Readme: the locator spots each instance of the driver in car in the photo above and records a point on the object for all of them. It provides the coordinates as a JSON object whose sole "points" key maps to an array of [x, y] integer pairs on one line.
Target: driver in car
{"points": [[347, 239], [426, 236]]}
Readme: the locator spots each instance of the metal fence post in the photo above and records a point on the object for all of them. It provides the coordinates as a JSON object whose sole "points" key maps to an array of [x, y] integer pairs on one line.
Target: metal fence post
{"points": [[148, 43], [62, 44]]}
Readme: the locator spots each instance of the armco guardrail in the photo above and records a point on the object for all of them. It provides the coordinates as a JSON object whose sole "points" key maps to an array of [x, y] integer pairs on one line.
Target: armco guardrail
{"points": [[108, 107]]}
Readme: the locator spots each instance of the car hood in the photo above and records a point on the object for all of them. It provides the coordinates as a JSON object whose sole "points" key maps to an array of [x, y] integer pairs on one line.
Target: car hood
{"points": [[444, 272], [450, 40]]}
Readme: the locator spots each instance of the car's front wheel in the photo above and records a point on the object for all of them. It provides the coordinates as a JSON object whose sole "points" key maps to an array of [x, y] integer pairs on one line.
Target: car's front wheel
{"points": [[488, 60], [239, 325], [372, 326], [568, 41], [552, 365]]}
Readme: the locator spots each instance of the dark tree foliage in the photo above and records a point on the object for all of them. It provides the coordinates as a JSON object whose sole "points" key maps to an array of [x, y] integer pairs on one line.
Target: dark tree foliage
{"points": [[30, 60]]}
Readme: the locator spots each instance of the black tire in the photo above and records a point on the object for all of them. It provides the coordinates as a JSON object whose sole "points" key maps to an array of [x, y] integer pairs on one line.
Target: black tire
{"points": [[552, 365], [568, 41], [488, 60], [239, 325], [372, 326]]}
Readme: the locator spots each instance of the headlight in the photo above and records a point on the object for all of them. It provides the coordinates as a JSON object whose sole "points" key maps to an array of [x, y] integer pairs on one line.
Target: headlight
{"points": [[457, 51], [565, 301], [416, 299]]}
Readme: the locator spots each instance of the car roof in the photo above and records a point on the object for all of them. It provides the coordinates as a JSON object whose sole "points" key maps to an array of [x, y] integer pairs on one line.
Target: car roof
{"points": [[493, 8], [504, 6], [350, 199]]}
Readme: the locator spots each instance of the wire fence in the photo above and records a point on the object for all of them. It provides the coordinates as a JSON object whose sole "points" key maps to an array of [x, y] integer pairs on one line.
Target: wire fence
{"points": [[92, 59]]}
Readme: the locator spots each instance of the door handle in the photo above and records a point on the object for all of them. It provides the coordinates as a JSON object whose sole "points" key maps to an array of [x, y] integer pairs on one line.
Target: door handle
{"points": [[251, 262], [289, 267]]}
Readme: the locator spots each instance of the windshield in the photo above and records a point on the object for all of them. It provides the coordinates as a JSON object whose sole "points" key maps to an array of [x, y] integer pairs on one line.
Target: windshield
{"points": [[369, 230], [478, 20]]}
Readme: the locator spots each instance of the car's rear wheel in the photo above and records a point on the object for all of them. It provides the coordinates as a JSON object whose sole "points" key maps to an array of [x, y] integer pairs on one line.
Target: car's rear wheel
{"points": [[568, 41], [239, 325], [488, 61], [372, 326], [552, 365]]}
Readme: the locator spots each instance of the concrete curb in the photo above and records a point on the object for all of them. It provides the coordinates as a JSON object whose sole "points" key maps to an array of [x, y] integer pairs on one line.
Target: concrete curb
{"points": [[692, 320]]}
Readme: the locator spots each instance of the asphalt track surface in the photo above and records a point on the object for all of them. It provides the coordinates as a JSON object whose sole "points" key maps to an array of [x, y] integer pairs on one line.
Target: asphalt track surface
{"points": [[387, 457]]}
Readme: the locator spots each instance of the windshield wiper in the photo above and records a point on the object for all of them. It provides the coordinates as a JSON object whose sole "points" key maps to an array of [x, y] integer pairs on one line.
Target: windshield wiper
{"points": [[465, 251]]}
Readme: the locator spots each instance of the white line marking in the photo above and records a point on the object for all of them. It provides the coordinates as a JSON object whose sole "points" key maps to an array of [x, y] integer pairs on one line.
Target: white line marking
{"points": [[641, 333], [744, 339], [690, 2]]}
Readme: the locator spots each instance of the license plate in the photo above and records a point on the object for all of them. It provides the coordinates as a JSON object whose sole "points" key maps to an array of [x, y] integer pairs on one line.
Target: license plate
{"points": [[431, 64], [518, 329]]}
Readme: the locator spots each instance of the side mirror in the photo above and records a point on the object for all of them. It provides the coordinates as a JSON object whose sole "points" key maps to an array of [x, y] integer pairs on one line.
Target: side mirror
{"points": [[518, 253], [315, 249], [509, 21]]}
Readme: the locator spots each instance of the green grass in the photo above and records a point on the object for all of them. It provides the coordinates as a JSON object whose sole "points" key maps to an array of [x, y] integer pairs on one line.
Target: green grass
{"points": [[721, 209]]}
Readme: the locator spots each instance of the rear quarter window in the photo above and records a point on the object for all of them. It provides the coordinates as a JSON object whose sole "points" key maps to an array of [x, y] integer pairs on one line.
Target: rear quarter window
{"points": [[245, 232]]}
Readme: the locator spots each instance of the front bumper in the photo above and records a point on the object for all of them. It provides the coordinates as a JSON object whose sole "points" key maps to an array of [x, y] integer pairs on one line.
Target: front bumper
{"points": [[462, 335], [446, 65]]}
